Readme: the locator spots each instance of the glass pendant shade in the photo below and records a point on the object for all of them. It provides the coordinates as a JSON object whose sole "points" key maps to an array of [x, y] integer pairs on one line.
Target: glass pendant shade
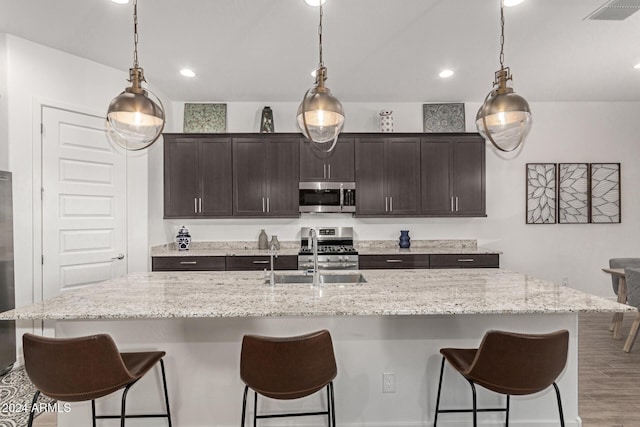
{"points": [[135, 120], [504, 119], [320, 115]]}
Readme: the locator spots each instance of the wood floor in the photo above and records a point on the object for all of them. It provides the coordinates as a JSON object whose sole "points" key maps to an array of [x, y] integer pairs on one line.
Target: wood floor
{"points": [[609, 379]]}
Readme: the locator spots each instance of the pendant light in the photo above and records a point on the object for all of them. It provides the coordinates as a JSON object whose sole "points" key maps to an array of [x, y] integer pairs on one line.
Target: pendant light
{"points": [[504, 118], [135, 118], [320, 114]]}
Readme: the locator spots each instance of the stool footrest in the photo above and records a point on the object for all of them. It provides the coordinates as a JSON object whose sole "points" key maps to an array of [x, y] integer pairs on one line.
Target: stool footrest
{"points": [[294, 414]]}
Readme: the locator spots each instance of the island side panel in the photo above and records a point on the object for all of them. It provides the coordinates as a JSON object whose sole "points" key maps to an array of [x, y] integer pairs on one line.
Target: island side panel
{"points": [[205, 388]]}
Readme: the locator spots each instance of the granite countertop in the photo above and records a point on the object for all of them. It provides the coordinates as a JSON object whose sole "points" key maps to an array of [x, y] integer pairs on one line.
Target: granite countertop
{"points": [[244, 294], [364, 247]]}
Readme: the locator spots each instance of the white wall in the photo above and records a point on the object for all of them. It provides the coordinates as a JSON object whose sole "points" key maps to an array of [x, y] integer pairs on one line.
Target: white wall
{"points": [[39, 75], [4, 131], [562, 132]]}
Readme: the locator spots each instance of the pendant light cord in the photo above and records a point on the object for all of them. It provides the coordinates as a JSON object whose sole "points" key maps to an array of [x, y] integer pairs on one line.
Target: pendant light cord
{"points": [[320, 63], [501, 34], [135, 34]]}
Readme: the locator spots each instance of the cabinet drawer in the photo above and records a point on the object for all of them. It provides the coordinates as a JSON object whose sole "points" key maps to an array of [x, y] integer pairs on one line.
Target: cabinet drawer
{"points": [[465, 261], [244, 263], [371, 262], [188, 263]]}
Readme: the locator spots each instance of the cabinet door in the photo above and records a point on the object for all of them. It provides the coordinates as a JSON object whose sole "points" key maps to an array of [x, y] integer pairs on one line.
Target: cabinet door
{"points": [[188, 263], [337, 165], [371, 196], [282, 177], [465, 261], [468, 170], [181, 180], [403, 176], [249, 176], [215, 172], [436, 177]]}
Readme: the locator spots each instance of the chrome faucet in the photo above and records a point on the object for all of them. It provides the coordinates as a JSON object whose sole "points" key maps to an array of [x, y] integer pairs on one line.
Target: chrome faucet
{"points": [[313, 242], [273, 253]]}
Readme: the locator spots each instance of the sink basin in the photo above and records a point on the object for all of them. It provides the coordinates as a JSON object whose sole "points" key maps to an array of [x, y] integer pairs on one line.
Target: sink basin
{"points": [[322, 278]]}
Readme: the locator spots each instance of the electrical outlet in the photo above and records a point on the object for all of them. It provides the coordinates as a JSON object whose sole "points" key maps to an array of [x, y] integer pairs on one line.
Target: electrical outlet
{"points": [[565, 281], [388, 383]]}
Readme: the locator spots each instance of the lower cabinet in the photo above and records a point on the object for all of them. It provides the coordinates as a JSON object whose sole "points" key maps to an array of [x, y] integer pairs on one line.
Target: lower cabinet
{"points": [[188, 263], [373, 262], [465, 261], [261, 262]]}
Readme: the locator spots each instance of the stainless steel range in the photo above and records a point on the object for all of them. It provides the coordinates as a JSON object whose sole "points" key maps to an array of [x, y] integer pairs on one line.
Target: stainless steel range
{"points": [[335, 249]]}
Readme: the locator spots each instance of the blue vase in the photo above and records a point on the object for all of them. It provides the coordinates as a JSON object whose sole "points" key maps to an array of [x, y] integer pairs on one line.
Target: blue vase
{"points": [[405, 240]]}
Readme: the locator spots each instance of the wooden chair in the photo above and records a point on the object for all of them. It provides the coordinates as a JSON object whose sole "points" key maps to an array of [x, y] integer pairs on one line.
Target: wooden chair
{"points": [[288, 368], [632, 276], [87, 368], [620, 289], [508, 363]]}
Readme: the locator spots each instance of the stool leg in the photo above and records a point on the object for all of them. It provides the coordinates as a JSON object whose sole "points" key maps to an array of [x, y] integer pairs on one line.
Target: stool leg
{"points": [[559, 404], [244, 405], [435, 418], [255, 408], [166, 393], [93, 412], [32, 409], [508, 404], [475, 404], [333, 405], [124, 405]]}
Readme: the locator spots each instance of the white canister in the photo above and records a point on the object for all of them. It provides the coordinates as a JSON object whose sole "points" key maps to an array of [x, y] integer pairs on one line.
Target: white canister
{"points": [[386, 121]]}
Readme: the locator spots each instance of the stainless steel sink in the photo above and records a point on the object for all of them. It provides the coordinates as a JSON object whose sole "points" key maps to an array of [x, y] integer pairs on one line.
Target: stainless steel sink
{"points": [[322, 278]]}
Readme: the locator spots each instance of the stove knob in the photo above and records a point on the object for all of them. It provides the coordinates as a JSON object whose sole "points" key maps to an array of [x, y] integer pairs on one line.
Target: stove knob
{"points": [[310, 259]]}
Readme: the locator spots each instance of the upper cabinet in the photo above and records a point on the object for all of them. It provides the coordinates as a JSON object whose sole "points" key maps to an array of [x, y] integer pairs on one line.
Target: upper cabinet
{"points": [[336, 165], [387, 176], [453, 175], [197, 176], [265, 176]]}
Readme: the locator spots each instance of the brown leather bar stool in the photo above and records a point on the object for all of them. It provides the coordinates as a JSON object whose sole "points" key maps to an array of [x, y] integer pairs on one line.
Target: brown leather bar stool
{"points": [[288, 368], [508, 363], [87, 368]]}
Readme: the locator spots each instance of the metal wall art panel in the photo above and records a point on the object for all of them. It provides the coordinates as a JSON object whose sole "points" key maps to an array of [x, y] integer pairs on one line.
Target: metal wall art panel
{"points": [[541, 193], [573, 193], [205, 118], [605, 193], [443, 117]]}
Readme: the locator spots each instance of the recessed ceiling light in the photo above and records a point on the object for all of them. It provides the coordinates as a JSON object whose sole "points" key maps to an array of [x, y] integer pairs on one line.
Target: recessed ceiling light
{"points": [[314, 2], [637, 66], [446, 74], [187, 72], [313, 73], [120, 1], [509, 3]]}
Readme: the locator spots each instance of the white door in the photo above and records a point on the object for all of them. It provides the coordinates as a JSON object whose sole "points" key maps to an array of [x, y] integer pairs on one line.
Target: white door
{"points": [[83, 202]]}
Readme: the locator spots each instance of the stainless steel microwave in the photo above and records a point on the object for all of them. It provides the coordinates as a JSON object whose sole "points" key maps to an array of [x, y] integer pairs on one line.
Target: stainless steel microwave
{"points": [[327, 196]]}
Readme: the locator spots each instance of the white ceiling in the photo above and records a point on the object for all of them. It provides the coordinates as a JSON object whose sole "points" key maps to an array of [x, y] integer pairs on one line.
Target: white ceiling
{"points": [[375, 50]]}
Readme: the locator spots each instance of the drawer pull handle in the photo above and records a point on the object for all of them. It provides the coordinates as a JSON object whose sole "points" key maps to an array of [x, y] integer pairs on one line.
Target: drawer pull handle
{"points": [[394, 260], [188, 262], [261, 262], [466, 260]]}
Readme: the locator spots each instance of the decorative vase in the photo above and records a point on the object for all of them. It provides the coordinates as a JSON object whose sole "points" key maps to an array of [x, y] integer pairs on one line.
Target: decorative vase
{"points": [[386, 121], [405, 240], [266, 123], [263, 240], [274, 244], [183, 239]]}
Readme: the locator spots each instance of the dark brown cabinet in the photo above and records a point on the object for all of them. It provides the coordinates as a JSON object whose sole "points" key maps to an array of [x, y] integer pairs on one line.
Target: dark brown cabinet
{"points": [[453, 175], [374, 262], [265, 176], [336, 166], [188, 263], [387, 176], [261, 262], [465, 261], [197, 176]]}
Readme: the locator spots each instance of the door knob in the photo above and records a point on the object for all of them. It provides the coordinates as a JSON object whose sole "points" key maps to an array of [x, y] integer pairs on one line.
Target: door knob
{"points": [[120, 256]]}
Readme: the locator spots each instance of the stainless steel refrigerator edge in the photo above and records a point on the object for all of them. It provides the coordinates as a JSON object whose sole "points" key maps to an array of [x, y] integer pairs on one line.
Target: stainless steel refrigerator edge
{"points": [[7, 289]]}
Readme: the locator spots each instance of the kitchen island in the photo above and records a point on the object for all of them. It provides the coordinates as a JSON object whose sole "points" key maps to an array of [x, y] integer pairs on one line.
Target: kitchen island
{"points": [[396, 322]]}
